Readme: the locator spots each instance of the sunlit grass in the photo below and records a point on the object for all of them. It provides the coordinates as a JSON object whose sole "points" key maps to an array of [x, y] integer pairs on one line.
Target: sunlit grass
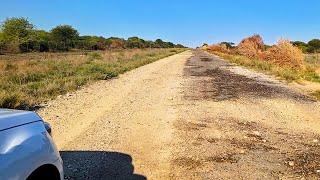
{"points": [[30, 79], [289, 74]]}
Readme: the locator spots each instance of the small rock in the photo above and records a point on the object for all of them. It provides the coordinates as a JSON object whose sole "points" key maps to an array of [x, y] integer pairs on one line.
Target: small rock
{"points": [[242, 151], [318, 171], [291, 163], [263, 140], [315, 140]]}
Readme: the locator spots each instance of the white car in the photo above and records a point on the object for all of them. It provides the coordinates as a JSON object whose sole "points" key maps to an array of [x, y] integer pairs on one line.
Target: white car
{"points": [[27, 150]]}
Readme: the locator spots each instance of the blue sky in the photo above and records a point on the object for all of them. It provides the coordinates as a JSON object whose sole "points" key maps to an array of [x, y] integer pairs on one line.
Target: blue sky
{"points": [[190, 22]]}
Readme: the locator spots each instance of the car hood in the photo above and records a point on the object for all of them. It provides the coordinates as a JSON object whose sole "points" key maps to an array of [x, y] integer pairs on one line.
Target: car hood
{"points": [[12, 118]]}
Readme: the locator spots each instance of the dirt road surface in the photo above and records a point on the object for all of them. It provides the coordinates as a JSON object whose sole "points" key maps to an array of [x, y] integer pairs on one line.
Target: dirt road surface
{"points": [[188, 116]]}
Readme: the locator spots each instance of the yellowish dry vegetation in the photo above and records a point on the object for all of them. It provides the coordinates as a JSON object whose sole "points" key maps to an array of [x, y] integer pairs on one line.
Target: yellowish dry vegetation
{"points": [[251, 47], [285, 54], [283, 59], [26, 80]]}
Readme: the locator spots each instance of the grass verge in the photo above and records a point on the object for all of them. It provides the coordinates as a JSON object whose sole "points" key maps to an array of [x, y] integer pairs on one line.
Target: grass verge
{"points": [[316, 94], [286, 73], [27, 80]]}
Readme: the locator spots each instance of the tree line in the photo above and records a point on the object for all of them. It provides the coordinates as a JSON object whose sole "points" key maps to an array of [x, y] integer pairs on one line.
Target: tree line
{"points": [[18, 35], [312, 46]]}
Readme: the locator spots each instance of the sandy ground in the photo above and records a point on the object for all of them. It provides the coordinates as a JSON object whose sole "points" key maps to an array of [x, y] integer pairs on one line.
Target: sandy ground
{"points": [[188, 116]]}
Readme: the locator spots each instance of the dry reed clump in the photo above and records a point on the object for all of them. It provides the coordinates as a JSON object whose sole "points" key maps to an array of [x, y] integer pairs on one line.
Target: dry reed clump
{"points": [[251, 47], [285, 54], [218, 48]]}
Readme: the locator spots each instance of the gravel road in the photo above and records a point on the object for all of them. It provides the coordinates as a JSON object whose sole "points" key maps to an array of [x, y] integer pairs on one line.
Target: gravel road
{"points": [[188, 116]]}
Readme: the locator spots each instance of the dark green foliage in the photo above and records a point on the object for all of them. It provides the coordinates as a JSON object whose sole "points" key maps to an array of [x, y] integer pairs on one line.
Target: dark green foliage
{"points": [[64, 36], [135, 42], [16, 28], [229, 45], [312, 46]]}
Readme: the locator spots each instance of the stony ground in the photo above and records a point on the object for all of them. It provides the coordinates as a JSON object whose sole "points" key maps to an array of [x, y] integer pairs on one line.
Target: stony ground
{"points": [[188, 116]]}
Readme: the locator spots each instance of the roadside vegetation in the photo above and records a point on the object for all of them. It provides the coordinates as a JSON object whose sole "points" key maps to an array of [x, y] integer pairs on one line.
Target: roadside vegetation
{"points": [[27, 80], [285, 59], [316, 94], [18, 35], [36, 65]]}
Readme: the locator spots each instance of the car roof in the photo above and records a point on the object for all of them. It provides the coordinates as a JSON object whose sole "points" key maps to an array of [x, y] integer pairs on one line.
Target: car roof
{"points": [[11, 118]]}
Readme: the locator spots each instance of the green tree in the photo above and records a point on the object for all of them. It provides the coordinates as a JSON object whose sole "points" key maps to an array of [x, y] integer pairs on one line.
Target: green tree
{"points": [[135, 42], [2, 43], [63, 37], [229, 45], [91, 43], [159, 43], [314, 45], [302, 45], [115, 43], [16, 28], [180, 46], [15, 31]]}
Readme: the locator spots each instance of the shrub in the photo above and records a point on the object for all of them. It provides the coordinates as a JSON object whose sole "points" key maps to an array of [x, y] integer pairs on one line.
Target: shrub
{"points": [[251, 47], [285, 54], [218, 48]]}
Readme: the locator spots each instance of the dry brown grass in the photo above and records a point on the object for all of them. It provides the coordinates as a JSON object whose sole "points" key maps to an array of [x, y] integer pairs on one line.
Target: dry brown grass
{"points": [[251, 47], [285, 54], [27, 80]]}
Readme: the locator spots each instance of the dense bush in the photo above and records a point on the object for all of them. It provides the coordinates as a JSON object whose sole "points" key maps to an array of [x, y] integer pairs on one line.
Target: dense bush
{"points": [[251, 47], [285, 54], [218, 47], [285, 59], [18, 35], [312, 46]]}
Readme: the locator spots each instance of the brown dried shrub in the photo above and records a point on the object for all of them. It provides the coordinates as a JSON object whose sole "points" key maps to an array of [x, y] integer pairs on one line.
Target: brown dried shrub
{"points": [[218, 48], [284, 54], [251, 47]]}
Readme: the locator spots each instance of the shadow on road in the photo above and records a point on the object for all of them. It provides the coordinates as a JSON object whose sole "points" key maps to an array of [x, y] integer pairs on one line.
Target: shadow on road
{"points": [[98, 165]]}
